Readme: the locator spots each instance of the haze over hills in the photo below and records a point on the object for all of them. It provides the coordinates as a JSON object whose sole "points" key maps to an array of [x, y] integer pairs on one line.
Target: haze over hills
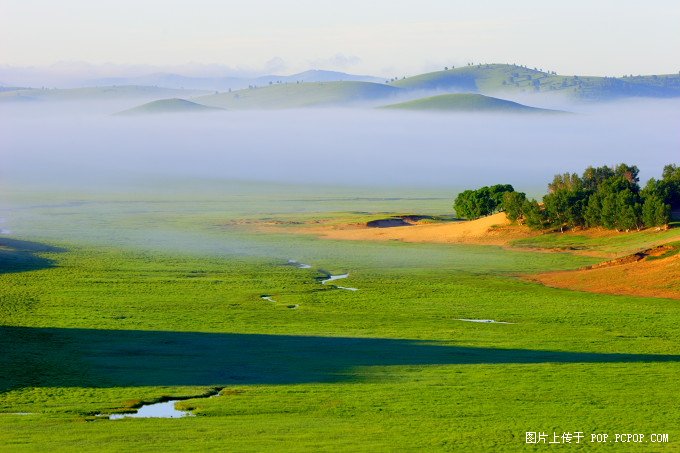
{"points": [[211, 78], [482, 78], [94, 93], [336, 94], [327, 88], [230, 83], [298, 95]]}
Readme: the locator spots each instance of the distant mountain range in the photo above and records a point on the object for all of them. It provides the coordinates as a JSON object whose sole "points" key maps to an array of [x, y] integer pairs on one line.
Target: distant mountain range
{"points": [[117, 93], [178, 81], [231, 83]]}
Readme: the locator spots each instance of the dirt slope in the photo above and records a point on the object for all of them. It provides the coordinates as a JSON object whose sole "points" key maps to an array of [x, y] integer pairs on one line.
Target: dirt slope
{"points": [[642, 277]]}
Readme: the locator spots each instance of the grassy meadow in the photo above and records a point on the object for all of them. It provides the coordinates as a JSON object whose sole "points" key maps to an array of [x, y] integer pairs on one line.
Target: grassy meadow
{"points": [[109, 300]]}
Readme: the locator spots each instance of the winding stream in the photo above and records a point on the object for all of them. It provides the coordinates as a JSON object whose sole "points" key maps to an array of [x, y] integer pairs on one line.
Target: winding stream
{"points": [[332, 278], [156, 410], [485, 321], [164, 409], [329, 278], [299, 265]]}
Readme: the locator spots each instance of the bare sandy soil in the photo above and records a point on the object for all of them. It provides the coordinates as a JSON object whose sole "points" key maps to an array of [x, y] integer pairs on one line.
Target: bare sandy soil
{"points": [[651, 278], [491, 230]]}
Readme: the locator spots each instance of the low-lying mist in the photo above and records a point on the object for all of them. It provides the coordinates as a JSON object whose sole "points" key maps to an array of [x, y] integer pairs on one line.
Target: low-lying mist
{"points": [[333, 146]]}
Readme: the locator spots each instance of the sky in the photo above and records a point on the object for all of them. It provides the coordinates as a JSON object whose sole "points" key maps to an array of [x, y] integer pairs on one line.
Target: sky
{"points": [[378, 37]]}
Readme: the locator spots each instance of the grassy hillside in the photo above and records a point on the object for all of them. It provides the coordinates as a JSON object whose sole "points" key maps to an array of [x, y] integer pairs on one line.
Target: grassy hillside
{"points": [[494, 78], [466, 102], [297, 95], [174, 105], [95, 93]]}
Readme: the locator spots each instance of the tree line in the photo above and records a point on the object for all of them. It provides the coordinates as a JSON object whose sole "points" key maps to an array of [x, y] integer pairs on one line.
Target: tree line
{"points": [[608, 197]]}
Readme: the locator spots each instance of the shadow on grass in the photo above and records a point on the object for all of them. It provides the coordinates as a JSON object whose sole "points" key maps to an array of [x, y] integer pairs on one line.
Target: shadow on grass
{"points": [[20, 256], [34, 357]]}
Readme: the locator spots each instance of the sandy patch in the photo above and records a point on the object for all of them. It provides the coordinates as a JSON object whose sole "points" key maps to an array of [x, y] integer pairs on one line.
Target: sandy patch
{"points": [[642, 277], [493, 230]]}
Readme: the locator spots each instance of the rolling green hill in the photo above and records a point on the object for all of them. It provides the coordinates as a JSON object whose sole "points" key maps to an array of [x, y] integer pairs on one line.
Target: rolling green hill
{"points": [[495, 78], [298, 95], [96, 93], [174, 105], [466, 102]]}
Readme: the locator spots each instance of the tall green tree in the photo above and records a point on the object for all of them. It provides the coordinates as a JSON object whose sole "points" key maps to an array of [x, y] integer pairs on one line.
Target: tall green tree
{"points": [[565, 202], [671, 178], [592, 215], [533, 215], [594, 176], [472, 204], [628, 213], [655, 212], [497, 192], [565, 181], [609, 207], [629, 173], [513, 202], [464, 205]]}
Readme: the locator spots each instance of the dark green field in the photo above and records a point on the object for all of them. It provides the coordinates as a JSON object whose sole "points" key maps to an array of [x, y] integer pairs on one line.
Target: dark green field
{"points": [[111, 300]]}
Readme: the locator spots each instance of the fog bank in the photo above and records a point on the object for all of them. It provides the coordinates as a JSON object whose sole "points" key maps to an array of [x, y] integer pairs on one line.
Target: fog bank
{"points": [[341, 146]]}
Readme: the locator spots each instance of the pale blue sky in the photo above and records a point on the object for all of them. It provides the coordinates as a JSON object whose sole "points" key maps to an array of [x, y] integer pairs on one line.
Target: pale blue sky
{"points": [[603, 37]]}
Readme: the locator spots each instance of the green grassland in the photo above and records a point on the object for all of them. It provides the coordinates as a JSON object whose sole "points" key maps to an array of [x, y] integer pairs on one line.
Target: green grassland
{"points": [[298, 95], [466, 102], [117, 300]]}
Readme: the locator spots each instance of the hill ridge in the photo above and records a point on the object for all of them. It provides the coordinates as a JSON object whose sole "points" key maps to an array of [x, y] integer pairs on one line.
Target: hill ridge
{"points": [[466, 102]]}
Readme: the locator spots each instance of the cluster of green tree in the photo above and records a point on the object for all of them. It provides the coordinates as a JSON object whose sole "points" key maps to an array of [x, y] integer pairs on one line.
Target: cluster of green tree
{"points": [[608, 197], [473, 204]]}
